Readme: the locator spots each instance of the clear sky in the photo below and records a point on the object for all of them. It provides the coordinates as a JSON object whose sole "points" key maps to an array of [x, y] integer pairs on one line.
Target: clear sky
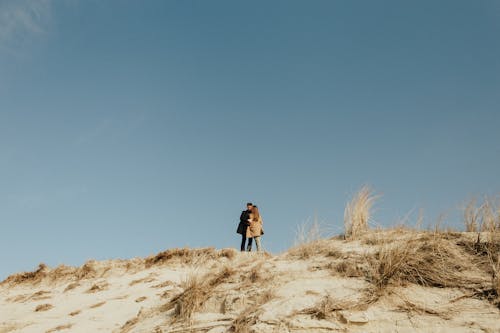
{"points": [[130, 127]]}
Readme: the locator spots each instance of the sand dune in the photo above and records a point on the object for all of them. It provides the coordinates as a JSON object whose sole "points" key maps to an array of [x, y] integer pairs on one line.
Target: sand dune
{"points": [[387, 281]]}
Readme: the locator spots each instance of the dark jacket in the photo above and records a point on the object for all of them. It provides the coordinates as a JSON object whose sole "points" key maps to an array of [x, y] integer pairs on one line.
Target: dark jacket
{"points": [[242, 226]]}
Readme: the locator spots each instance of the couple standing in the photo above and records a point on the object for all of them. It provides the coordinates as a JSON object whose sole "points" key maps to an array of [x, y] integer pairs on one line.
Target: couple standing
{"points": [[250, 227]]}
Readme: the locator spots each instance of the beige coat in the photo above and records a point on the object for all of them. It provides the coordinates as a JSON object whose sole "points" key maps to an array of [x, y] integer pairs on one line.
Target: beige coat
{"points": [[255, 228]]}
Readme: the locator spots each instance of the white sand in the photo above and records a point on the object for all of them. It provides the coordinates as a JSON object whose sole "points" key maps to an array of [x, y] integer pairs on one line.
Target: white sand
{"points": [[293, 284]]}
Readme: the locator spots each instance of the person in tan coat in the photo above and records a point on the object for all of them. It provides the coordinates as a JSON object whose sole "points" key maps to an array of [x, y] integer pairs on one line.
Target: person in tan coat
{"points": [[255, 229]]}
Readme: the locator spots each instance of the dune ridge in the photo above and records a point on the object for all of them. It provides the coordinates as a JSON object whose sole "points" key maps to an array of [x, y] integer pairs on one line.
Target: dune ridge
{"points": [[395, 280]]}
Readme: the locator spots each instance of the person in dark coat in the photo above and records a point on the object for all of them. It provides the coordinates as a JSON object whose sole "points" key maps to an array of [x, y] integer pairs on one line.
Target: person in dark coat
{"points": [[243, 225]]}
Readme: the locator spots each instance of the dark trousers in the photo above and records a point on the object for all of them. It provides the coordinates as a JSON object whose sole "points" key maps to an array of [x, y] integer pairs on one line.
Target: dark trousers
{"points": [[243, 241]]}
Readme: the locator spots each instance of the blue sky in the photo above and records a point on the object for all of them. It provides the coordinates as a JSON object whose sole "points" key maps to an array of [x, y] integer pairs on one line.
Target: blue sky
{"points": [[129, 127]]}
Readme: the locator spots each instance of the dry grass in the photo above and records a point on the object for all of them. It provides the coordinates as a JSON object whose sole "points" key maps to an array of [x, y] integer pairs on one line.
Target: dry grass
{"points": [[27, 277], [74, 313], [86, 271], [421, 309], [97, 305], [62, 272], [494, 259], [348, 269], [228, 253], [471, 216], [96, 287], [7, 328], [490, 215], [71, 286], [486, 254], [244, 322], [191, 299], [60, 328], [306, 251], [308, 232], [43, 307], [40, 295], [163, 284], [357, 212], [188, 256], [313, 249], [222, 276], [485, 217], [92, 269], [196, 291], [492, 250], [37, 296], [381, 236], [255, 275], [248, 317], [17, 298], [129, 324], [308, 241], [430, 260], [325, 309], [143, 280]]}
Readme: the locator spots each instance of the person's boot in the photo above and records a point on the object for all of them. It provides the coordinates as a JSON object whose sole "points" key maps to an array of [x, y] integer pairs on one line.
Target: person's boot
{"points": [[249, 248]]}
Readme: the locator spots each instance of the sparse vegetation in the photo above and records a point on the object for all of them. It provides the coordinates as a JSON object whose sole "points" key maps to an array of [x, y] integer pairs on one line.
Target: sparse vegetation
{"points": [[472, 216], [188, 256], [163, 284], [429, 260], [74, 313], [191, 299], [383, 263], [143, 280], [28, 277], [228, 253], [255, 273], [490, 215], [86, 271], [96, 287], [43, 307], [129, 324], [60, 328], [97, 305], [71, 286], [325, 308], [486, 254], [348, 269], [485, 217], [308, 241], [196, 291], [248, 317], [357, 212]]}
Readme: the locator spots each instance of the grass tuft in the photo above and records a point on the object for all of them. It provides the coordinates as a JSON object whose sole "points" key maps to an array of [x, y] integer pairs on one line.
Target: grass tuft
{"points": [[357, 212], [429, 261], [43, 307], [196, 291]]}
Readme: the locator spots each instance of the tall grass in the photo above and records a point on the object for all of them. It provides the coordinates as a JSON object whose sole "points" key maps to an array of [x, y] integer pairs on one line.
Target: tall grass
{"points": [[485, 217], [358, 211], [307, 232], [490, 215], [307, 236], [428, 260], [196, 290], [472, 215]]}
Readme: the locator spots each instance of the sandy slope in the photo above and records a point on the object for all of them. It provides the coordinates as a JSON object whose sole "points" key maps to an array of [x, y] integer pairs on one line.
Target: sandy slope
{"points": [[302, 290]]}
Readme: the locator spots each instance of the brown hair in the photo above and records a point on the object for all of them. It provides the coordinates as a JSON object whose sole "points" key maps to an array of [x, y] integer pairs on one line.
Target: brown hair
{"points": [[255, 213]]}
